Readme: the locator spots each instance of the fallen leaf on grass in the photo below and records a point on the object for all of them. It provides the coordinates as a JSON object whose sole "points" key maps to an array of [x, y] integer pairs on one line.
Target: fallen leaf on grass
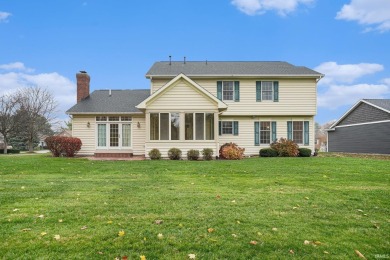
{"points": [[294, 207], [234, 235], [160, 236], [306, 198], [43, 233], [57, 237], [218, 197], [291, 251], [121, 233], [109, 222], [359, 210], [238, 222], [306, 242], [22, 187], [376, 225], [274, 229], [191, 256], [210, 230], [142, 257], [26, 229], [233, 201], [158, 222], [326, 252], [100, 253], [317, 243], [84, 227], [15, 210], [60, 221], [124, 257], [253, 242], [359, 254], [41, 216]]}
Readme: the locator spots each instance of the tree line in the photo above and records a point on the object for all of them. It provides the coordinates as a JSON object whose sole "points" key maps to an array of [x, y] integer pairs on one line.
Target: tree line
{"points": [[25, 114]]}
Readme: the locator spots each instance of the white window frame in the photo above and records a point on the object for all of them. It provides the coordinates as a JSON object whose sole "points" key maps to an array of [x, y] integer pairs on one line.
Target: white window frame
{"points": [[225, 127], [302, 130], [263, 91], [108, 120], [223, 90]]}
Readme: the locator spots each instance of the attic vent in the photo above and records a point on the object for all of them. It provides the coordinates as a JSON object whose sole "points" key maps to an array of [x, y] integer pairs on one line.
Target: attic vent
{"points": [[184, 59]]}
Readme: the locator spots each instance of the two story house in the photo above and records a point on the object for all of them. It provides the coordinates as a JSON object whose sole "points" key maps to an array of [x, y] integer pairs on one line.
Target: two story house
{"points": [[196, 105]]}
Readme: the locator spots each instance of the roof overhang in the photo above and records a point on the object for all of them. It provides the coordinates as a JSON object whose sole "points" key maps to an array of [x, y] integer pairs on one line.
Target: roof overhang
{"points": [[143, 105], [316, 76], [103, 113]]}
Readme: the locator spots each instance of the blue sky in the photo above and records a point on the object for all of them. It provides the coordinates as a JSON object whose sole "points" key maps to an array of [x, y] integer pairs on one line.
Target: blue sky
{"points": [[45, 43]]}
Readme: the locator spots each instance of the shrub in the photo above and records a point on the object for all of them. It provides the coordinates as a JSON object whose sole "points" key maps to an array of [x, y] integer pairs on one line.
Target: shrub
{"points": [[193, 155], [61, 145], [207, 154], [10, 151], [268, 152], [174, 154], [155, 154], [304, 152], [231, 151], [285, 147]]}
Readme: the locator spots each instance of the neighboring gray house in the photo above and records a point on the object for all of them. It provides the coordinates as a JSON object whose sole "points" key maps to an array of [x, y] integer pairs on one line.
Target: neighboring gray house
{"points": [[365, 128]]}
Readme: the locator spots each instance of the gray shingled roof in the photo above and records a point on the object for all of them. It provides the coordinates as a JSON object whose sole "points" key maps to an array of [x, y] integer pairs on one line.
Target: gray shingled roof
{"points": [[120, 101], [383, 103], [229, 68]]}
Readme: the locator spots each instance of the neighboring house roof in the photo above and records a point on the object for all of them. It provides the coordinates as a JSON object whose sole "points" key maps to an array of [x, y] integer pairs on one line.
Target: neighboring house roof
{"points": [[381, 104], [230, 68], [144, 103], [119, 102]]}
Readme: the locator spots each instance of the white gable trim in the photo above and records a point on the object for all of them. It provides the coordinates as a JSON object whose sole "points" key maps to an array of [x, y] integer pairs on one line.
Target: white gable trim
{"points": [[143, 104], [353, 108], [367, 123]]}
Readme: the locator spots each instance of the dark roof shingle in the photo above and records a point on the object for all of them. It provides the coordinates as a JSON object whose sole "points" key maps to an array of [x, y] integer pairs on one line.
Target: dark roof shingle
{"points": [[120, 101], [229, 68], [383, 103]]}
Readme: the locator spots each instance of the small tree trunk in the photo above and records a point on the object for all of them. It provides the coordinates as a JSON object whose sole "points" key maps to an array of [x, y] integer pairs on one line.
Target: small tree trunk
{"points": [[5, 145], [30, 146]]}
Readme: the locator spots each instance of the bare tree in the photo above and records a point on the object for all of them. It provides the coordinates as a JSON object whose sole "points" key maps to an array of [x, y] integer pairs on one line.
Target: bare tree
{"points": [[9, 104], [36, 103]]}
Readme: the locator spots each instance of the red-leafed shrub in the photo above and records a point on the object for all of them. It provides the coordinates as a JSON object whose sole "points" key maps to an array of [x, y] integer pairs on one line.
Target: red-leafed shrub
{"points": [[60, 145], [231, 151], [285, 147]]}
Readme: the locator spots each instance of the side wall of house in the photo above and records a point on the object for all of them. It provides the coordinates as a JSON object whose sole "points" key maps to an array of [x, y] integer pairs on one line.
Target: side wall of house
{"points": [[364, 113], [246, 132], [368, 138], [300, 94], [87, 134], [81, 130]]}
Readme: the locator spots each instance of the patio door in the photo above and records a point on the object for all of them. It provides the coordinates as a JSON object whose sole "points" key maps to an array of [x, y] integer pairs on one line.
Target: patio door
{"points": [[114, 135]]}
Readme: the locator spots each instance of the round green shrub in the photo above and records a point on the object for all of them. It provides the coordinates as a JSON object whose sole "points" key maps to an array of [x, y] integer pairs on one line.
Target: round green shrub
{"points": [[155, 154], [174, 154], [193, 155], [304, 152], [268, 152], [207, 154]]}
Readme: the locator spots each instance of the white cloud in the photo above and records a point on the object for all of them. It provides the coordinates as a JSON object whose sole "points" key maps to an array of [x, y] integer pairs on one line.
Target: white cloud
{"points": [[258, 7], [15, 66], [341, 95], [4, 16], [386, 81], [374, 13], [62, 88], [345, 73]]}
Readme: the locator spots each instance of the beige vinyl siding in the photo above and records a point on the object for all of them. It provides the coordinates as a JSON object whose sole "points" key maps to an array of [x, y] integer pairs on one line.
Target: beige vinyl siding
{"points": [[85, 133], [138, 135], [299, 94], [246, 140], [181, 96]]}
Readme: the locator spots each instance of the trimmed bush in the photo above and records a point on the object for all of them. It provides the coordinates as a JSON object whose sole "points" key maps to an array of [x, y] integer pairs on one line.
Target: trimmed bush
{"points": [[231, 151], [207, 154], [174, 154], [268, 152], [155, 154], [10, 151], [285, 148], [304, 152], [61, 145], [193, 155]]}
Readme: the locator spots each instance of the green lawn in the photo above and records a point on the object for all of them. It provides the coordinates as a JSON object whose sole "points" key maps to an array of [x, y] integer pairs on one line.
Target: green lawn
{"points": [[339, 204]]}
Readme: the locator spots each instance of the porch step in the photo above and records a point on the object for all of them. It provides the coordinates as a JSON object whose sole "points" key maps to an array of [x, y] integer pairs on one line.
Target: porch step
{"points": [[113, 155]]}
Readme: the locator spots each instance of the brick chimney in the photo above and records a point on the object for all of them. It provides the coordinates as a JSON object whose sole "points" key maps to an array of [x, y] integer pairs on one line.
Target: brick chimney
{"points": [[82, 85]]}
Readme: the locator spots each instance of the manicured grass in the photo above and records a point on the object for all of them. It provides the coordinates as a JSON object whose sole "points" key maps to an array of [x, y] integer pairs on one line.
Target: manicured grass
{"points": [[340, 203]]}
